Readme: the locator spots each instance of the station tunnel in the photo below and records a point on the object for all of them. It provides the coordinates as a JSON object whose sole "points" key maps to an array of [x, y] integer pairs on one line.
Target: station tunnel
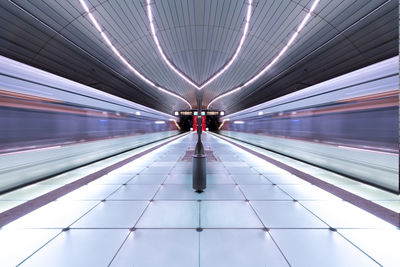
{"points": [[237, 133]]}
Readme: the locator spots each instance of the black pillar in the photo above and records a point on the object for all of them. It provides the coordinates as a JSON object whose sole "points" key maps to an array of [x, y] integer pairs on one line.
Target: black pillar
{"points": [[199, 157]]}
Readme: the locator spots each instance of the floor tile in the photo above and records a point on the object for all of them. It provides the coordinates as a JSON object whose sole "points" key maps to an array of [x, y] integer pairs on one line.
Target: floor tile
{"points": [[383, 245], [179, 179], [286, 214], [219, 179], [134, 192], [91, 192], [80, 247], [154, 179], [112, 214], [341, 214], [112, 179], [57, 214], [237, 248], [160, 247], [212, 192], [241, 170], [170, 214], [157, 170], [228, 214], [307, 192], [255, 179], [282, 179], [17, 244], [264, 192], [318, 247]]}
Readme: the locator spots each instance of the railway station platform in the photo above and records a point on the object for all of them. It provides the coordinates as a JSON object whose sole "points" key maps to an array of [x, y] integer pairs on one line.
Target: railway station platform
{"points": [[145, 214]]}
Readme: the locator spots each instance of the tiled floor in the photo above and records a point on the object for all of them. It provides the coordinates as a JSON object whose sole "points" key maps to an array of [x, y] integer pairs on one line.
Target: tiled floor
{"points": [[146, 214]]}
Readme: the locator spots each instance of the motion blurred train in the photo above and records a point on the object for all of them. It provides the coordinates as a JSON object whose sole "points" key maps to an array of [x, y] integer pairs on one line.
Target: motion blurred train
{"points": [[349, 124], [50, 124]]}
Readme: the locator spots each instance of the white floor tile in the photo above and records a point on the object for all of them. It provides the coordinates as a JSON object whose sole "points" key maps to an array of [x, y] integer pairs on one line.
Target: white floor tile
{"points": [[91, 192], [286, 214], [134, 192], [282, 179], [238, 248], [341, 214], [170, 214], [212, 192], [318, 247], [112, 214], [383, 245], [264, 192], [148, 179], [57, 214], [228, 214], [307, 192], [255, 179], [80, 247], [18, 244], [156, 248], [113, 179]]}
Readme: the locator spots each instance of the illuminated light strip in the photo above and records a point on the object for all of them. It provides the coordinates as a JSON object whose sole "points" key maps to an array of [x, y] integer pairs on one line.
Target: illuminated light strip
{"points": [[222, 124], [118, 54], [280, 54], [215, 75], [176, 124]]}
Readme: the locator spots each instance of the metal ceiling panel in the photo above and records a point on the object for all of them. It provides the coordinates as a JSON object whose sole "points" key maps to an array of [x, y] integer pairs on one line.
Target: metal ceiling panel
{"points": [[198, 37]]}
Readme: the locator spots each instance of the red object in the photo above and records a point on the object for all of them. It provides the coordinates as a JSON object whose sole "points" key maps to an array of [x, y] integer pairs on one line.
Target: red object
{"points": [[203, 123], [195, 123]]}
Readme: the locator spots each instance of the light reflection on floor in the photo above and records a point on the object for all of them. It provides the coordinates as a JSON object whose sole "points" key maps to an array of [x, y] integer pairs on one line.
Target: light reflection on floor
{"points": [[252, 214]]}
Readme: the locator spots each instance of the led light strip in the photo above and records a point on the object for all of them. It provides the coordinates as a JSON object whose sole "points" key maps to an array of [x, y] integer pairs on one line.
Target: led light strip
{"points": [[118, 54], [215, 75], [284, 49]]}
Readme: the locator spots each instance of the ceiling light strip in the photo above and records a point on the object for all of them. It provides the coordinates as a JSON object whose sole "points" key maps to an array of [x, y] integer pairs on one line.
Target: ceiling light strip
{"points": [[215, 75], [280, 54], [118, 54]]}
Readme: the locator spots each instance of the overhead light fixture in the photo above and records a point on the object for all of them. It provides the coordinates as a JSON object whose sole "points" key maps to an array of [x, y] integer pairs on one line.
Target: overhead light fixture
{"points": [[260, 113], [280, 54], [121, 58], [222, 113], [159, 122], [238, 122], [176, 70], [176, 113], [138, 113]]}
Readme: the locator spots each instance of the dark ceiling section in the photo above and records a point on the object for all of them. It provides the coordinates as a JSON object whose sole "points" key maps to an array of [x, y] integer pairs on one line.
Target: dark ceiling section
{"points": [[199, 37], [28, 40], [371, 38]]}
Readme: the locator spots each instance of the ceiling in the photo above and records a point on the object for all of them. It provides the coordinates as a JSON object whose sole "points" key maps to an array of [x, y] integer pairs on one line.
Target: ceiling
{"points": [[198, 38]]}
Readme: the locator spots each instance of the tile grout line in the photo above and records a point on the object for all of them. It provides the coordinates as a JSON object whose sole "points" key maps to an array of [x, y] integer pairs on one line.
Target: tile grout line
{"points": [[330, 227], [154, 148], [251, 206], [35, 203], [365, 204], [141, 215]]}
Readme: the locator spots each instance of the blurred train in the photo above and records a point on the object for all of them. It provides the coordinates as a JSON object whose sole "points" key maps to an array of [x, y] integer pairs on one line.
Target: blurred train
{"points": [[349, 124], [50, 124]]}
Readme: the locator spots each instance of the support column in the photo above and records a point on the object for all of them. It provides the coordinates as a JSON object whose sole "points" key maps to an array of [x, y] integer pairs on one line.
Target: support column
{"points": [[199, 157]]}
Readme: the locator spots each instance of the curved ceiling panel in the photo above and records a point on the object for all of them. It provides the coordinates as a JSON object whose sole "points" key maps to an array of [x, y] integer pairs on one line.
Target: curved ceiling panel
{"points": [[199, 37]]}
